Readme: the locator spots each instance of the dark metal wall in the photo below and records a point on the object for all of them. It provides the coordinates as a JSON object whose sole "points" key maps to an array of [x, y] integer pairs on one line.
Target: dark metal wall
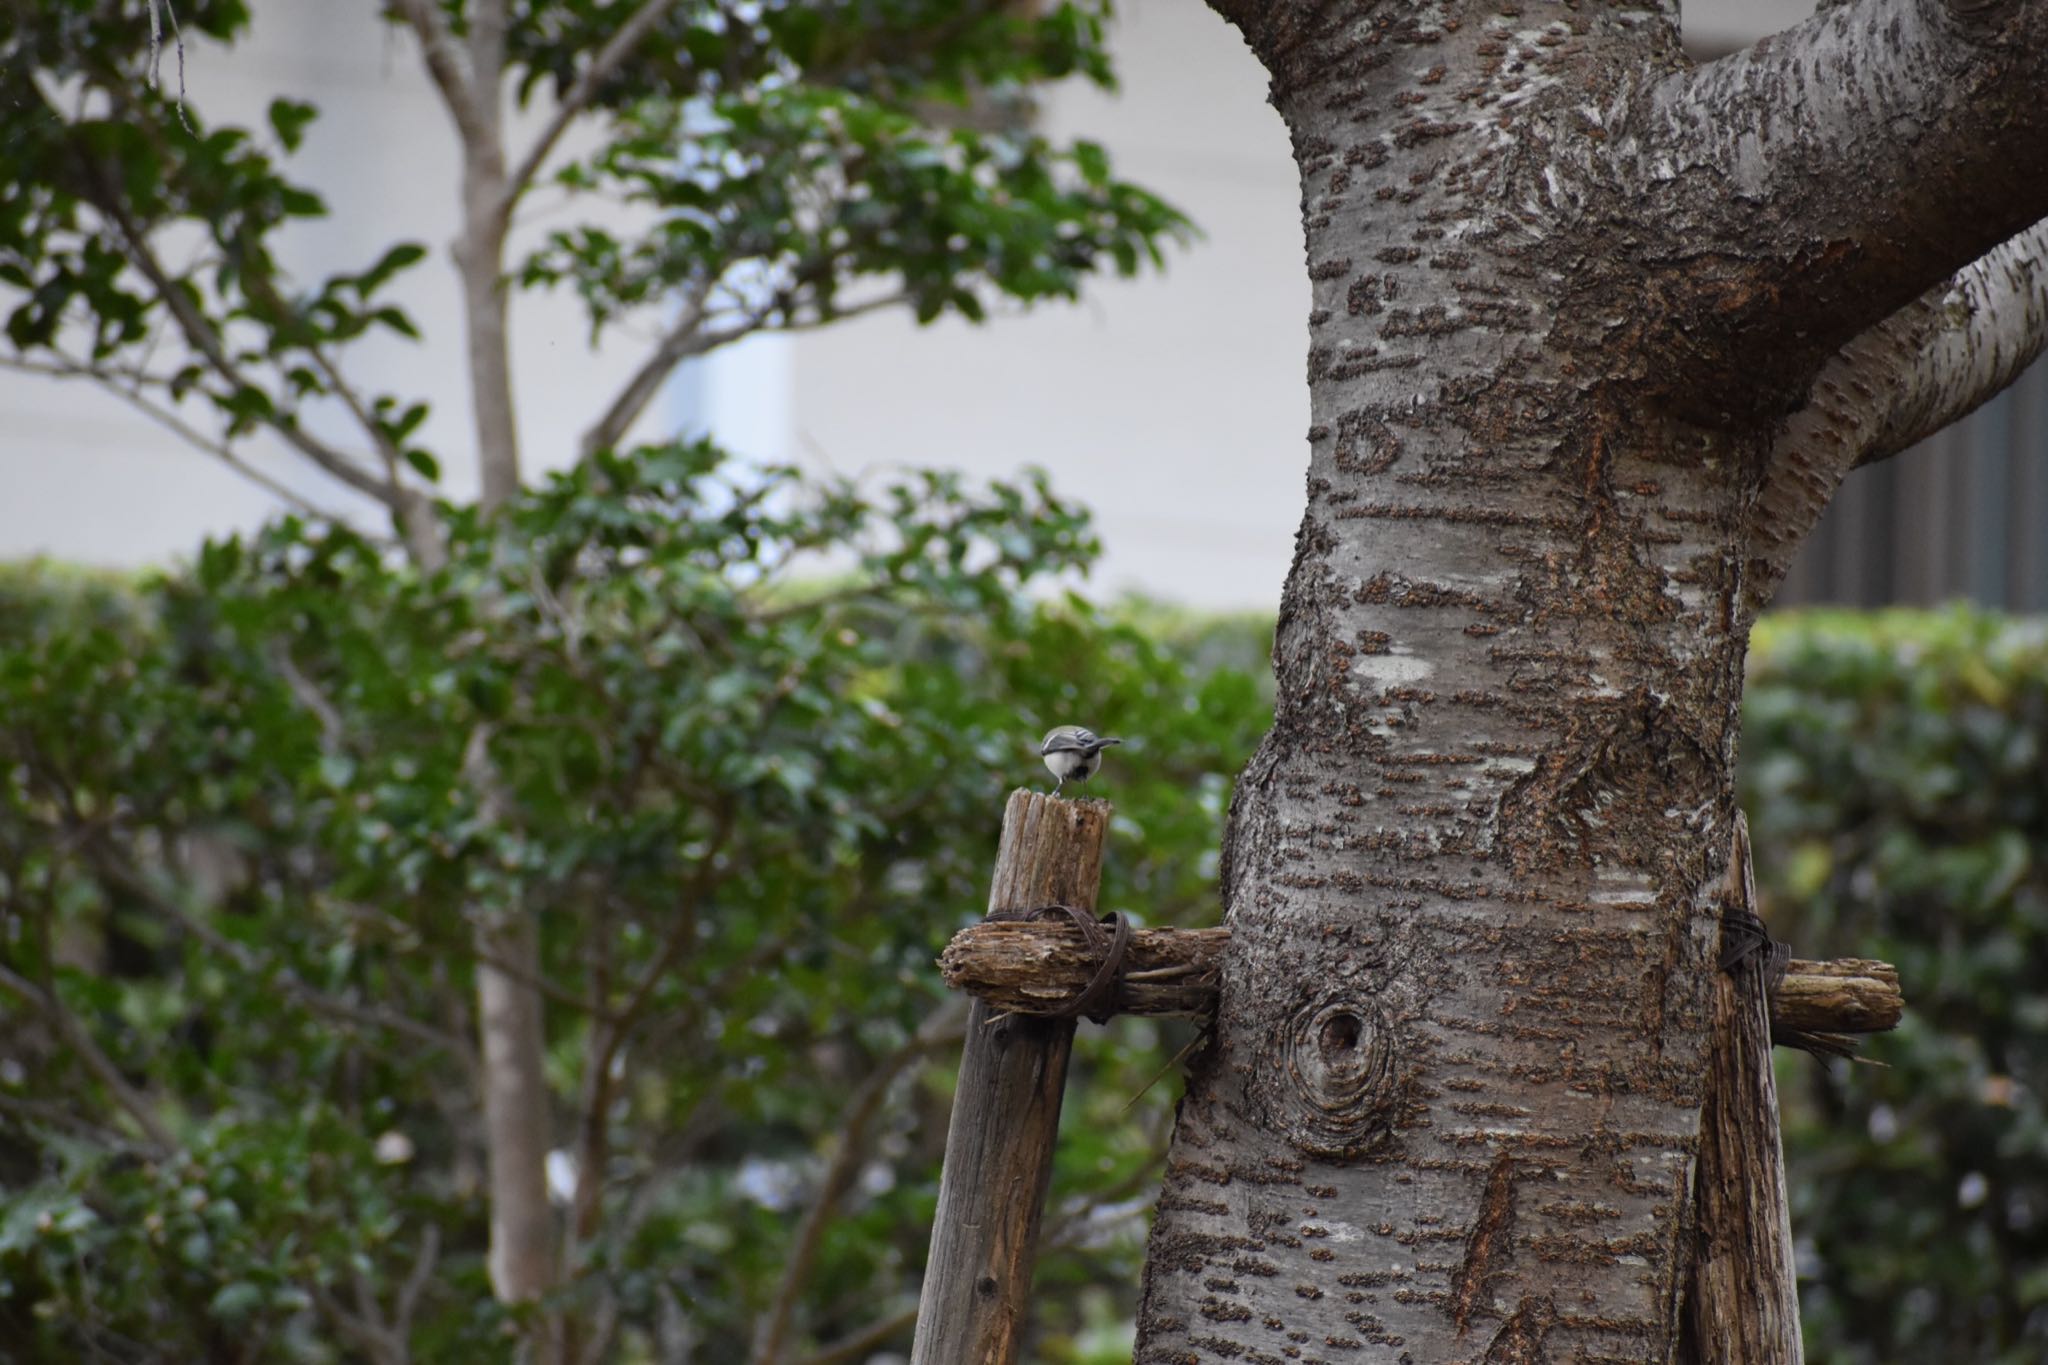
{"points": [[1963, 515]]}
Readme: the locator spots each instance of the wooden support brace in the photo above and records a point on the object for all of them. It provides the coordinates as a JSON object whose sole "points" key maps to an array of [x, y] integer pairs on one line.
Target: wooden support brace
{"points": [[1006, 1108], [1742, 1303], [1038, 967]]}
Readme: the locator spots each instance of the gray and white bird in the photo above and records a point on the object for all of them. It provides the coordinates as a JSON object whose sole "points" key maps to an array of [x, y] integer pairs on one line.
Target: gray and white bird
{"points": [[1072, 753]]}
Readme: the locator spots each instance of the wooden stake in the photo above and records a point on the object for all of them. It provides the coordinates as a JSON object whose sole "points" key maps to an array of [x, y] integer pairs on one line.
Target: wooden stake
{"points": [[1743, 1307], [1006, 1110]]}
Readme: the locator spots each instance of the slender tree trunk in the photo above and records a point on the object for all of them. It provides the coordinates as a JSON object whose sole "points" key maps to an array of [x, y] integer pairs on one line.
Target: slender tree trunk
{"points": [[511, 1026], [1564, 295]]}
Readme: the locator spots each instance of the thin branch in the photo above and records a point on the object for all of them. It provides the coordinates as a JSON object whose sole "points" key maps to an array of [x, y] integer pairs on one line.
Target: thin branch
{"points": [[850, 1133], [680, 936], [47, 1002], [200, 334], [411, 510], [375, 1342], [170, 421], [63, 1116], [607, 61], [686, 341], [416, 1282], [445, 67], [858, 1345], [675, 346], [546, 986], [136, 883], [333, 731]]}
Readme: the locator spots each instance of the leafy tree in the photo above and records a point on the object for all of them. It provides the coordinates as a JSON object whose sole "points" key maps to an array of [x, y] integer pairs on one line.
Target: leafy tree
{"points": [[744, 807], [796, 163]]}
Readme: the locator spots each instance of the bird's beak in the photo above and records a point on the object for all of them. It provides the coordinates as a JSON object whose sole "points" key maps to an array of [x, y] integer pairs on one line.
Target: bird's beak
{"points": [[1107, 742]]}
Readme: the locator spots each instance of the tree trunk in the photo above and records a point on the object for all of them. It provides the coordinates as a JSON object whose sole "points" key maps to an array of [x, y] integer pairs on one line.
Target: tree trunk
{"points": [[511, 1024], [1564, 297]]}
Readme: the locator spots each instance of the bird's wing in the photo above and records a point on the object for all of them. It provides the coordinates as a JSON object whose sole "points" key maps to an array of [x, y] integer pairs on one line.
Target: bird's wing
{"points": [[1078, 741]]}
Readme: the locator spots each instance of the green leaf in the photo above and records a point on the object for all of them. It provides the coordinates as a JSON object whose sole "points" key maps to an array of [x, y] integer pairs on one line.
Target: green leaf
{"points": [[289, 119]]}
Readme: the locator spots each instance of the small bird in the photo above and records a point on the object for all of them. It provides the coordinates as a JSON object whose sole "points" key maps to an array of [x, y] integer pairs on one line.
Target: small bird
{"points": [[1072, 753]]}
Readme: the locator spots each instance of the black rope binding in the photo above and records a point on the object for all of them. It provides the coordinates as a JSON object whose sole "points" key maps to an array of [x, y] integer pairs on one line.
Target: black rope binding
{"points": [[1109, 938]]}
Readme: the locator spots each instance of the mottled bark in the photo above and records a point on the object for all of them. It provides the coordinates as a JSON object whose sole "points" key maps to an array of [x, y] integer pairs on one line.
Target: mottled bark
{"points": [[1452, 1107], [1821, 180]]}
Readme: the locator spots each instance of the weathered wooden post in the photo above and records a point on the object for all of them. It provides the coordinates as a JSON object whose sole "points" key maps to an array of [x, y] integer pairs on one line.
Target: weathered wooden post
{"points": [[1743, 1305], [1006, 1109]]}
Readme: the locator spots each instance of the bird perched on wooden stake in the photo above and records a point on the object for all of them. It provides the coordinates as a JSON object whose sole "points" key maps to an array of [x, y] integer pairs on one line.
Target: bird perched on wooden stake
{"points": [[1072, 753]]}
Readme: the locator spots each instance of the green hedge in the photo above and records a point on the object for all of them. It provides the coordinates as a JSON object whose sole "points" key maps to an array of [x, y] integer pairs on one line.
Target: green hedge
{"points": [[239, 844], [1893, 769]]}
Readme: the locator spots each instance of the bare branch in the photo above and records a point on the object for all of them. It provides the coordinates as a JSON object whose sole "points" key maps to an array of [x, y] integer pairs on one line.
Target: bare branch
{"points": [[67, 1117], [107, 863], [678, 344], [374, 1340], [412, 511], [688, 339], [200, 334], [66, 367], [416, 1283], [46, 1001], [1870, 153], [850, 1146], [1929, 364], [607, 61], [858, 1345], [438, 48]]}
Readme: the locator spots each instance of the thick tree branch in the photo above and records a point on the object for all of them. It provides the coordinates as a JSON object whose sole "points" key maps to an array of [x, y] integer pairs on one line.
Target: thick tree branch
{"points": [[1871, 152], [578, 97], [1983, 328], [1930, 364]]}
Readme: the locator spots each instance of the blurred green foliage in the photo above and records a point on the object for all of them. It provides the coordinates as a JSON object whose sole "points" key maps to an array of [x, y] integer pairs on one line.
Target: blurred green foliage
{"points": [[756, 733], [1893, 768]]}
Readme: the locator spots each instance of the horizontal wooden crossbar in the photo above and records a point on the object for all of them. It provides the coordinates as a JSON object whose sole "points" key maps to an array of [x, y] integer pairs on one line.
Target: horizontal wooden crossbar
{"points": [[1038, 967]]}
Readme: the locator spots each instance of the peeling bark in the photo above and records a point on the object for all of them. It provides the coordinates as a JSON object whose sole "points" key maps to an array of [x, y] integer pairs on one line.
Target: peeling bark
{"points": [[1561, 305]]}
